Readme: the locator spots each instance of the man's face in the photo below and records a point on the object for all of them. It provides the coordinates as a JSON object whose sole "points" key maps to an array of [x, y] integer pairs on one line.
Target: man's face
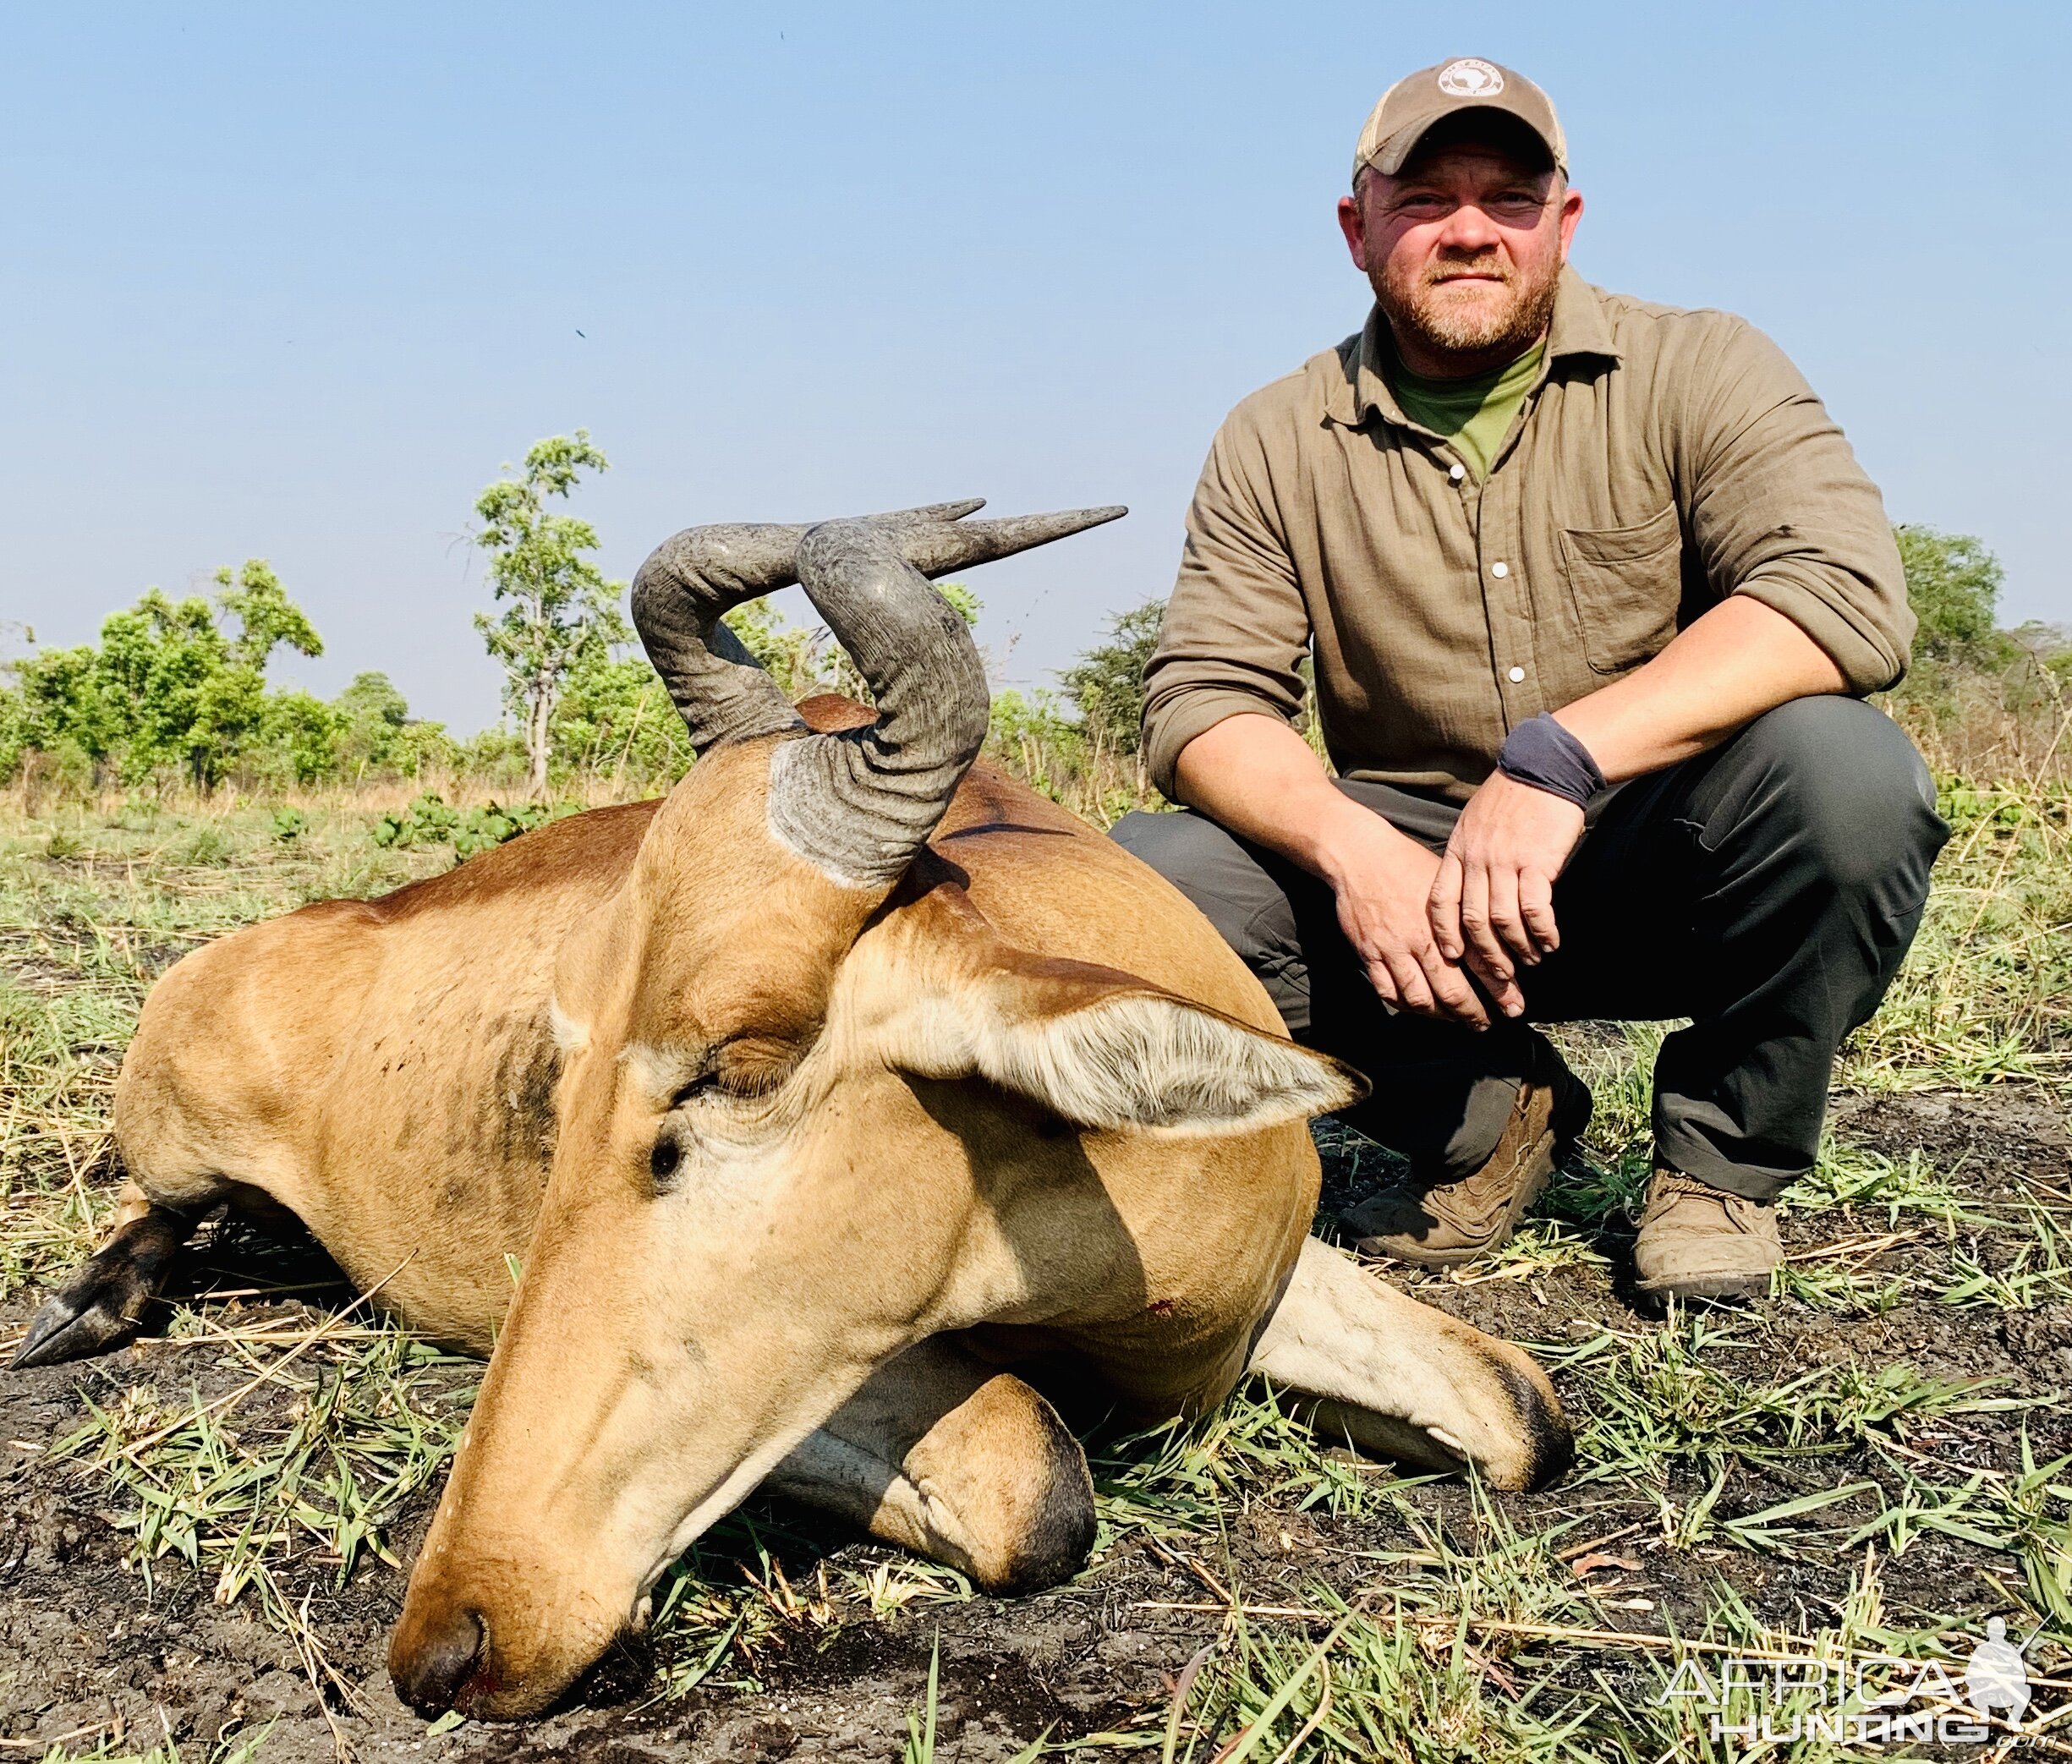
{"points": [[1464, 247]]}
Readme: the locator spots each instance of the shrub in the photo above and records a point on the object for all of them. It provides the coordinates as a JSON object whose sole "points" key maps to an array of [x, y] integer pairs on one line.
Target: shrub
{"points": [[615, 717], [371, 715], [429, 821], [1107, 683], [1952, 583]]}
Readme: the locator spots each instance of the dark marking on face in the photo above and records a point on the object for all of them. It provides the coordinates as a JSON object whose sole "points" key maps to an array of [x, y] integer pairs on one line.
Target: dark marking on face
{"points": [[513, 1113], [539, 1072]]}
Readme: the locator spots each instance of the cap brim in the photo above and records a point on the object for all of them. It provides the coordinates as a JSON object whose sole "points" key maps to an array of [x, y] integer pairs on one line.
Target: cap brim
{"points": [[1394, 154]]}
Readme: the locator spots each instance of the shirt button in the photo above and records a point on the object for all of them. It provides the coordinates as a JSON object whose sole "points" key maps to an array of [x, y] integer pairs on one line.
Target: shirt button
{"points": [[1456, 472], [1499, 569], [1515, 675]]}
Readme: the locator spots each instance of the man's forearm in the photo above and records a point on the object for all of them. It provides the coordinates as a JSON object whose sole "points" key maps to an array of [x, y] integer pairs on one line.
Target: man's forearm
{"points": [[1258, 777], [1718, 674]]}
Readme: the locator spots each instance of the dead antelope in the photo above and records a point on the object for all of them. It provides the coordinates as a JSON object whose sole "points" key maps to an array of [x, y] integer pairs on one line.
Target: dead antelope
{"points": [[846, 1108]]}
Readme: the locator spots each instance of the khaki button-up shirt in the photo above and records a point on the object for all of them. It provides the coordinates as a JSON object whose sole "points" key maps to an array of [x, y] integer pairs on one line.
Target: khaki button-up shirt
{"points": [[1664, 460]]}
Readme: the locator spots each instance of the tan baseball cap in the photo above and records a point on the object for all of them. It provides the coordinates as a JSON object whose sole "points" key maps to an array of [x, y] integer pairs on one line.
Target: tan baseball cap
{"points": [[1410, 107]]}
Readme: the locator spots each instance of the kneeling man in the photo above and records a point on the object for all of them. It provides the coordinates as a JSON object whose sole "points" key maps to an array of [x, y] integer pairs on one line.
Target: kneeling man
{"points": [[1592, 589]]}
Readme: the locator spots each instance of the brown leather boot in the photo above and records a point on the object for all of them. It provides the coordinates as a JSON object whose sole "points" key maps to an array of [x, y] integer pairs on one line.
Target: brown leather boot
{"points": [[1443, 1224], [1701, 1242]]}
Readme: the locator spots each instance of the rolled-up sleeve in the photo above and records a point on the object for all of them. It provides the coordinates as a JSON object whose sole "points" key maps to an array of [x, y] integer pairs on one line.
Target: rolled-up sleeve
{"points": [[1235, 629], [1781, 511]]}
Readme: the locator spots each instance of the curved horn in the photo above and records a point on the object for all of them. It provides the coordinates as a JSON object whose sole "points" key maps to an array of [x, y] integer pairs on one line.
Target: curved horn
{"points": [[689, 583], [859, 802], [680, 594]]}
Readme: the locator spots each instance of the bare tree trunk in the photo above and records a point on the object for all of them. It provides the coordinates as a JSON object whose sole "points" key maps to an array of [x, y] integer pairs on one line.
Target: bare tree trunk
{"points": [[536, 733]]}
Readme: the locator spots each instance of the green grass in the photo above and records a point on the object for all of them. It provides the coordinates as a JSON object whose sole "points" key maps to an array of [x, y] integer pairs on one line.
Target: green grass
{"points": [[371, 1417], [1986, 993]]}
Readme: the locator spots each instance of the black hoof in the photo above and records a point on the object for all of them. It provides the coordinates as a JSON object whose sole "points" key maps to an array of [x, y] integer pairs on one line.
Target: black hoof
{"points": [[100, 1307]]}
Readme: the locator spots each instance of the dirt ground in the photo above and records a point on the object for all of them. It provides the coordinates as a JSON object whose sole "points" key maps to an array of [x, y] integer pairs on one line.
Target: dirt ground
{"points": [[92, 1655]]}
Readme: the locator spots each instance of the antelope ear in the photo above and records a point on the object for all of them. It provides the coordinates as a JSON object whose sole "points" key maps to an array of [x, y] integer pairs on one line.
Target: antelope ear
{"points": [[1097, 1047]]}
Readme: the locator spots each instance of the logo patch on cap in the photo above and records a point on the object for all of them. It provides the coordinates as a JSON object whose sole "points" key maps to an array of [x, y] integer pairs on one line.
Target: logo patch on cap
{"points": [[1470, 78]]}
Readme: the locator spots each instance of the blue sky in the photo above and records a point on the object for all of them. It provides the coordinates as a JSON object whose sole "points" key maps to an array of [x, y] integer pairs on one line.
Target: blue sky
{"points": [[292, 283]]}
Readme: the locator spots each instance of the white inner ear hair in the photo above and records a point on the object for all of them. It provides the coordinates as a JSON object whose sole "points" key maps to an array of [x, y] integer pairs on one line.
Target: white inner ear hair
{"points": [[1148, 1062], [1152, 1062], [570, 1037]]}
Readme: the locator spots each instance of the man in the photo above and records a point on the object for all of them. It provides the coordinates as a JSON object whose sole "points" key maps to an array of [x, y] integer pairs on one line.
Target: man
{"points": [[1593, 590]]}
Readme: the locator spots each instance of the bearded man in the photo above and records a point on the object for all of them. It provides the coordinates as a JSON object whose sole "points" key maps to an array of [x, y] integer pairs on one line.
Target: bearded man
{"points": [[1593, 590]]}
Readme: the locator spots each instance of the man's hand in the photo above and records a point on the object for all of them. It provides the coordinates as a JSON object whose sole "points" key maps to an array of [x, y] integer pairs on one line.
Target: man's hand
{"points": [[1492, 901], [1258, 777], [1383, 881]]}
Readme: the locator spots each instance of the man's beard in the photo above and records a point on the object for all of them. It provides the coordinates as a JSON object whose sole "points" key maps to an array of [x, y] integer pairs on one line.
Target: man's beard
{"points": [[1417, 306]]}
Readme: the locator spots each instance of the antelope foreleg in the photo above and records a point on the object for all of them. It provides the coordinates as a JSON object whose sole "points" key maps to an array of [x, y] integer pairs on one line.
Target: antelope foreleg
{"points": [[102, 1305], [1402, 1380], [957, 1461]]}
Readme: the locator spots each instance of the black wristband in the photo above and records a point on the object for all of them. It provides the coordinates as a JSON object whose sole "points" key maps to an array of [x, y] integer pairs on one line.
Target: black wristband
{"points": [[1541, 752]]}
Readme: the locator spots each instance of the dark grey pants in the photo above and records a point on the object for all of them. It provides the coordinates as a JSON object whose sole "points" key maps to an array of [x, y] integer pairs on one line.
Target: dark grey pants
{"points": [[1767, 890]]}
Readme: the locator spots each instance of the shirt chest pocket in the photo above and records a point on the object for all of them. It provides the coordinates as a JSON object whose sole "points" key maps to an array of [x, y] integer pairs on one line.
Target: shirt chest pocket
{"points": [[1626, 584]]}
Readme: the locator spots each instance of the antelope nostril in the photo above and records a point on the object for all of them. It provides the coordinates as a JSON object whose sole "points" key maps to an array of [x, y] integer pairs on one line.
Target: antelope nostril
{"points": [[444, 1660]]}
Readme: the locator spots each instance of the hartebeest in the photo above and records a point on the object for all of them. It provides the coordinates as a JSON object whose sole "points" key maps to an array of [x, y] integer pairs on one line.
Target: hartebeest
{"points": [[838, 1105]]}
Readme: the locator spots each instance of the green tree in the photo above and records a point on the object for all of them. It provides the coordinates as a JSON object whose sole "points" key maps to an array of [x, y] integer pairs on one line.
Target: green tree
{"points": [[298, 733], [614, 716], [65, 705], [157, 661], [789, 654], [559, 607], [805, 659], [266, 618], [13, 711], [1954, 583], [422, 747], [1107, 683], [173, 682], [13, 730], [371, 715]]}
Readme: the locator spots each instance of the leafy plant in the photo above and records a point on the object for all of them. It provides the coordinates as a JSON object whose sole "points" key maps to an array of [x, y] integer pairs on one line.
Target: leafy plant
{"points": [[428, 820]]}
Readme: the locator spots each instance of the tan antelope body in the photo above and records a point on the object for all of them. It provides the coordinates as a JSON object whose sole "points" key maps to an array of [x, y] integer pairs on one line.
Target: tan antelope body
{"points": [[832, 1159]]}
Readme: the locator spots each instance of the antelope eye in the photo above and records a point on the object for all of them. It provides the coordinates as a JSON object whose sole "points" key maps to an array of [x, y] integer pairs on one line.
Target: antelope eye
{"points": [[703, 1084], [663, 1160]]}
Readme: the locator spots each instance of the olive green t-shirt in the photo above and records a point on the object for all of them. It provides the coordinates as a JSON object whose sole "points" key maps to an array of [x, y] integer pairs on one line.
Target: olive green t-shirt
{"points": [[1474, 415]]}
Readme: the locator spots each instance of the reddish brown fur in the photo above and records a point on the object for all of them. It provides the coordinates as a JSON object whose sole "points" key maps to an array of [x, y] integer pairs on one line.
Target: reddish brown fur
{"points": [[387, 1072]]}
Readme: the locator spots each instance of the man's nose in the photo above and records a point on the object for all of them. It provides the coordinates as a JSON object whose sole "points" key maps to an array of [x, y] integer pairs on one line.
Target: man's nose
{"points": [[1467, 228]]}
